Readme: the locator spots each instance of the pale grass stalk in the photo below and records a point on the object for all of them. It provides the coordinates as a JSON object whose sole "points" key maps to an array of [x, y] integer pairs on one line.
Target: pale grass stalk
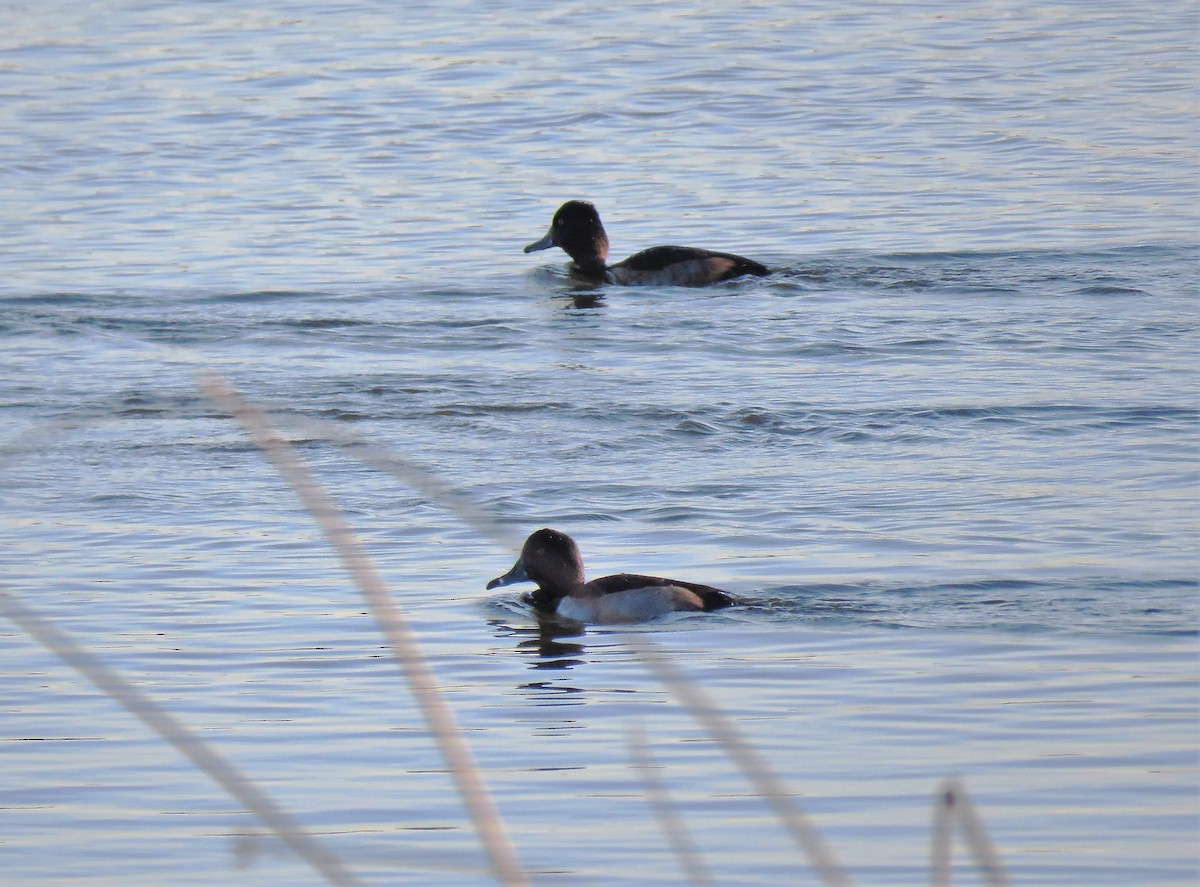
{"points": [[408, 472], [941, 840], [281, 823], [669, 821], [391, 620], [752, 764], [954, 807]]}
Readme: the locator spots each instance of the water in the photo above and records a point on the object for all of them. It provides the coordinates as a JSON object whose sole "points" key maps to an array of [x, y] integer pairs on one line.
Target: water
{"points": [[946, 455]]}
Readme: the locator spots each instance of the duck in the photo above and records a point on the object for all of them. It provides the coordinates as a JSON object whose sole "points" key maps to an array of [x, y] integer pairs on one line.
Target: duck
{"points": [[551, 559], [577, 230]]}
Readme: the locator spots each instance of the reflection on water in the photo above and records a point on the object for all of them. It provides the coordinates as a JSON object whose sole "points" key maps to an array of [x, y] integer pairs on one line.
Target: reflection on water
{"points": [[547, 644]]}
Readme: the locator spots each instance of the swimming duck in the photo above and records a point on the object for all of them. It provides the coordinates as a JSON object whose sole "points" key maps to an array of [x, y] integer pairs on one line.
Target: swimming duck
{"points": [[577, 230], [552, 560]]}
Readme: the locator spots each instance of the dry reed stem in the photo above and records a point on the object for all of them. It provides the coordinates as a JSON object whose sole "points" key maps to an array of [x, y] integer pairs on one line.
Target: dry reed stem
{"points": [[201, 754], [752, 764], [941, 840], [953, 806], [408, 472], [392, 622], [665, 812]]}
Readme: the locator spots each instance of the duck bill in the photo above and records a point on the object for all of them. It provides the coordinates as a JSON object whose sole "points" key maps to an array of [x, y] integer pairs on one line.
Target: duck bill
{"points": [[516, 574], [545, 243]]}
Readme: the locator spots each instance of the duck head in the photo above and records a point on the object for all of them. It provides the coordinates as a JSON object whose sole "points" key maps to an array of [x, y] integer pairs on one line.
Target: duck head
{"points": [[549, 558], [576, 230]]}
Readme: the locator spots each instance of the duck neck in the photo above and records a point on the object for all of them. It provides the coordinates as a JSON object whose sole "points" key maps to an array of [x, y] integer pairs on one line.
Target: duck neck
{"points": [[590, 267], [589, 251], [544, 600]]}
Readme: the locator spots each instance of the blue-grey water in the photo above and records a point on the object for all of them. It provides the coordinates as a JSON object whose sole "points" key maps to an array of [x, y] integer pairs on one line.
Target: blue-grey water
{"points": [[946, 455]]}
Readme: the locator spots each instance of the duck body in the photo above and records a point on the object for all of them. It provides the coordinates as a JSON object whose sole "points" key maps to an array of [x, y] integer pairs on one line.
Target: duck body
{"points": [[578, 231], [552, 560]]}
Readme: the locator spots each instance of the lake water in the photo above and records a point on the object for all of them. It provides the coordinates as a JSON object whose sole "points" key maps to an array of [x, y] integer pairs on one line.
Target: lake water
{"points": [[946, 455]]}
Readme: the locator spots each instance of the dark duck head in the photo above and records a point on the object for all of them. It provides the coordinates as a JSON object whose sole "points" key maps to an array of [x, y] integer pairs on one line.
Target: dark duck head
{"points": [[576, 229]]}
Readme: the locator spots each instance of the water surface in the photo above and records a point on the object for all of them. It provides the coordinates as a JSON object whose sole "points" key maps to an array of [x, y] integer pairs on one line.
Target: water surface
{"points": [[945, 455]]}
